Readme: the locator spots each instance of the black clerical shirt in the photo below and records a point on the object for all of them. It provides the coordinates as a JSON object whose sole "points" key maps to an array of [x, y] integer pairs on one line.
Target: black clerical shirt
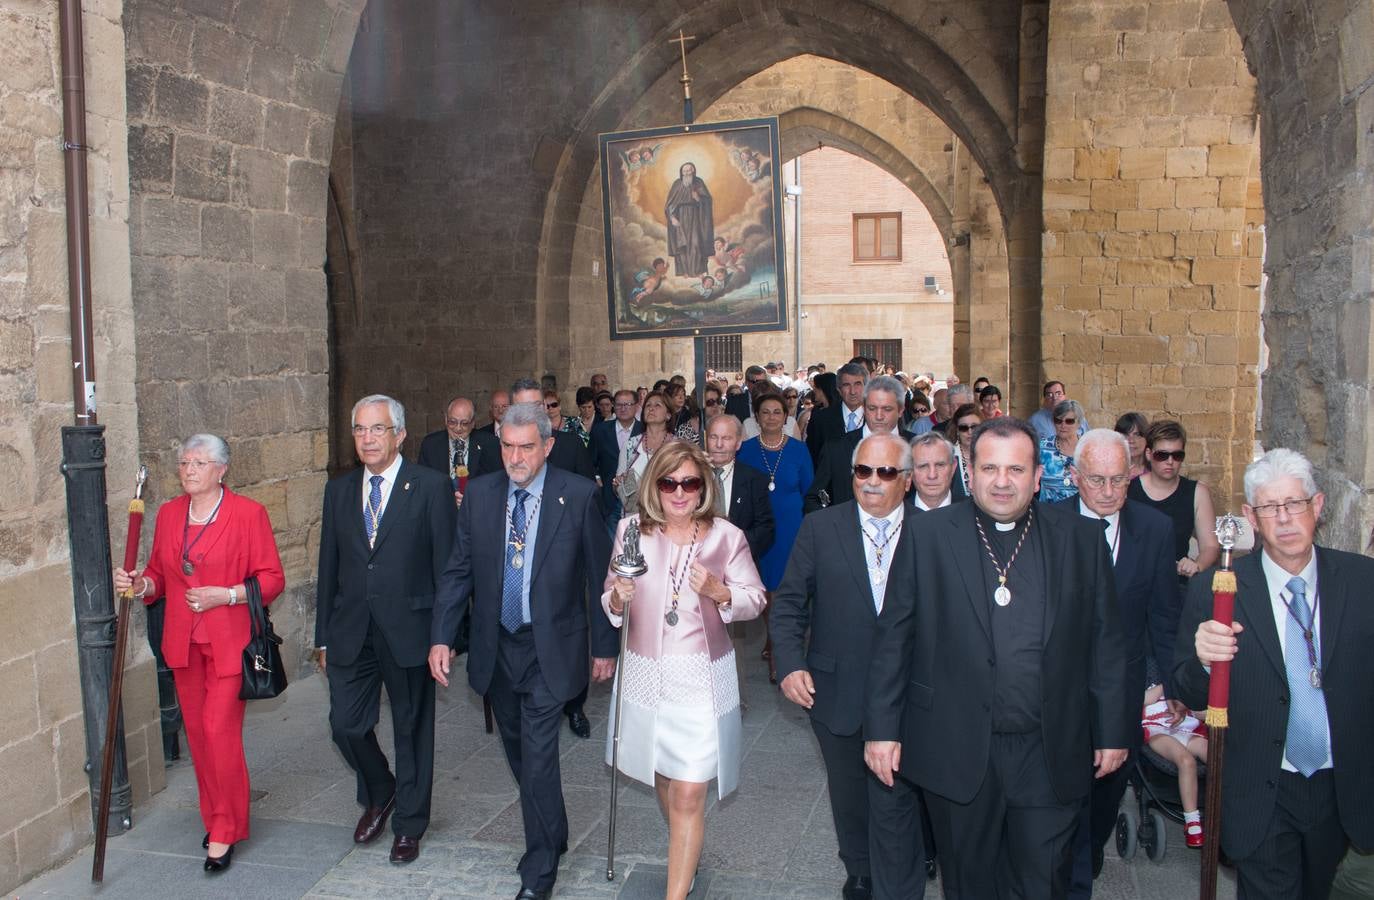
{"points": [[1017, 628]]}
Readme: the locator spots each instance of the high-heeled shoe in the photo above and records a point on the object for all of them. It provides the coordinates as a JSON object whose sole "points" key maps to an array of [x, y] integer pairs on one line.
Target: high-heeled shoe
{"points": [[205, 841], [216, 864]]}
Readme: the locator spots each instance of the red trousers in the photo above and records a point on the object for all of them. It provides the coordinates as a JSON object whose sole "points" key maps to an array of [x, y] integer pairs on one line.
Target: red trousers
{"points": [[213, 713]]}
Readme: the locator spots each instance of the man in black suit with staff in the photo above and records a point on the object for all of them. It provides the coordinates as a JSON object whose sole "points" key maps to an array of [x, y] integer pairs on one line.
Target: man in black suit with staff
{"points": [[386, 534], [530, 581], [998, 674], [833, 588], [1298, 785]]}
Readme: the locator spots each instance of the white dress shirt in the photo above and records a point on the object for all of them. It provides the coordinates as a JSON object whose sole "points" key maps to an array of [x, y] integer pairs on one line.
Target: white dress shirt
{"points": [[921, 504], [1113, 533], [622, 434], [727, 480], [880, 561], [1276, 578], [388, 481]]}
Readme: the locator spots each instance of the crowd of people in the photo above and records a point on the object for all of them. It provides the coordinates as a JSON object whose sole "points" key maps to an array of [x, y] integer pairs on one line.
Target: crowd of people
{"points": [[986, 618]]}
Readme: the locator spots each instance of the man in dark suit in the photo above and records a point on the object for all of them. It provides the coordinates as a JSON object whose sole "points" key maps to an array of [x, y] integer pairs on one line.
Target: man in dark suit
{"points": [[570, 455], [843, 415], [1299, 781], [882, 408], [998, 674], [459, 451], [745, 489], [933, 484], [834, 588], [532, 622], [385, 539], [1140, 541], [496, 408], [608, 448]]}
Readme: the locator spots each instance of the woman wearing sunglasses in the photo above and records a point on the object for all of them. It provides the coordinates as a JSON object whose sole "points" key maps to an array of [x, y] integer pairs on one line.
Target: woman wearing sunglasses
{"points": [[1186, 502], [787, 463], [1056, 453], [960, 434], [680, 701]]}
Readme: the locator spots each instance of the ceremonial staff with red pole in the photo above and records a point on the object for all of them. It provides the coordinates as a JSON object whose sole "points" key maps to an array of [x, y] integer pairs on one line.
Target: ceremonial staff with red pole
{"points": [[117, 678], [1218, 699]]}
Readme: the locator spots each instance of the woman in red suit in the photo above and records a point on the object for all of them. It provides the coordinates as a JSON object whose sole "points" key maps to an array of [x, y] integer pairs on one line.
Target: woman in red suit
{"points": [[205, 544]]}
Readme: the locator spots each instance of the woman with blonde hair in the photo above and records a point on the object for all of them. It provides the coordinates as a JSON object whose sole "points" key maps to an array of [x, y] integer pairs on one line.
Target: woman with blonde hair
{"points": [[680, 701]]}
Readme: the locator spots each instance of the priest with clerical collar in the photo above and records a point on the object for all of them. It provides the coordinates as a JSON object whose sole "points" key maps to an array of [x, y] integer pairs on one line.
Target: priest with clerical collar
{"points": [[1003, 640]]}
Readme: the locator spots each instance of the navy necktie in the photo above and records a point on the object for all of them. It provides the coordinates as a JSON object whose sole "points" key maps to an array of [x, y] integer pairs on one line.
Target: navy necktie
{"points": [[513, 584], [372, 516]]}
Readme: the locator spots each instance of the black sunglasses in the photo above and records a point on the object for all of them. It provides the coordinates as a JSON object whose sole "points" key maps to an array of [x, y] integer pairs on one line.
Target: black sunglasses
{"points": [[886, 473], [966, 427], [1067, 420], [690, 485], [713, 401], [1165, 455]]}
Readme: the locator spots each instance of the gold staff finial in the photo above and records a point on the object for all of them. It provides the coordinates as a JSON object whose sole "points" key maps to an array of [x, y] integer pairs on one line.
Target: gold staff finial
{"points": [[685, 79]]}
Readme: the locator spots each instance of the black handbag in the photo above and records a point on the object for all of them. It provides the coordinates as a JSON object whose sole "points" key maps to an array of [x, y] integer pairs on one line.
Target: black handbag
{"points": [[264, 676]]}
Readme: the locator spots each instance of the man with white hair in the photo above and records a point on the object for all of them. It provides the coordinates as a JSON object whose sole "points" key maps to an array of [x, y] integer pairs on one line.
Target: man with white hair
{"points": [[932, 474], [824, 622], [1299, 785], [1140, 541], [882, 415]]}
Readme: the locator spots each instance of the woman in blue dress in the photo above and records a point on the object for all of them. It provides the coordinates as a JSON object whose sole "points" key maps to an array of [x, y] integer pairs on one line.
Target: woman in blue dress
{"points": [[787, 464]]}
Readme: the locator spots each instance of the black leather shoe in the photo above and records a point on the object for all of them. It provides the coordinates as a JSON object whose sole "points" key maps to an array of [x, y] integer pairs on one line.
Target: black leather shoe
{"points": [[857, 887], [578, 722], [532, 894], [372, 821], [404, 849], [1099, 857], [930, 870], [216, 864]]}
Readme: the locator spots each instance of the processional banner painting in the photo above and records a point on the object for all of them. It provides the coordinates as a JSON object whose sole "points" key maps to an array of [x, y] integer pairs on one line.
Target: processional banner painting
{"points": [[693, 219]]}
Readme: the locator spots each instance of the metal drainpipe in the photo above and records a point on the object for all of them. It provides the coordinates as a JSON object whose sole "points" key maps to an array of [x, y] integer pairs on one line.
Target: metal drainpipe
{"points": [[83, 445]]}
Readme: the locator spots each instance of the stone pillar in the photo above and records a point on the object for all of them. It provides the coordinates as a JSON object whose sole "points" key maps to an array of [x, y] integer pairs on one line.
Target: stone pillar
{"points": [[1152, 222]]}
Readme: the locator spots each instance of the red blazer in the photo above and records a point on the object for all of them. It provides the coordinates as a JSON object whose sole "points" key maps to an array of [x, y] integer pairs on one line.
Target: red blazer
{"points": [[239, 543]]}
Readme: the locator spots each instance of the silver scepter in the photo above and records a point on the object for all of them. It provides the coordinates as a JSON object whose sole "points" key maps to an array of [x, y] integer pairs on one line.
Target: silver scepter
{"points": [[629, 564]]}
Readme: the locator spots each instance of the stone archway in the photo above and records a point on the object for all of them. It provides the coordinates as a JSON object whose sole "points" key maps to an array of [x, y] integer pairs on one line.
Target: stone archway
{"points": [[982, 104], [820, 99]]}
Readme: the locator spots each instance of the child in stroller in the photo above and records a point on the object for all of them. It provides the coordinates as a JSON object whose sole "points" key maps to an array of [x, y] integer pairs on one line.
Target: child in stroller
{"points": [[1181, 741]]}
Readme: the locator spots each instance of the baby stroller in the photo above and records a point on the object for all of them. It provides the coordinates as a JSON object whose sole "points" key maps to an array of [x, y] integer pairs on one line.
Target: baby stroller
{"points": [[1154, 786]]}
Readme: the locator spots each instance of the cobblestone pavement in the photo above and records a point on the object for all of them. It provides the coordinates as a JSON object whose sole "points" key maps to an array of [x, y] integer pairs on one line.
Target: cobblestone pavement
{"points": [[773, 838]]}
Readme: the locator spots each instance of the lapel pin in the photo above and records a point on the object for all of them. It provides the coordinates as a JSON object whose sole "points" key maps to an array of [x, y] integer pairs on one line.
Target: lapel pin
{"points": [[560, 501], [406, 486]]}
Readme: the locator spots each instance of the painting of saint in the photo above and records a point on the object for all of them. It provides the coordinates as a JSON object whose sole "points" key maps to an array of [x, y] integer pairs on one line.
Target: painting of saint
{"points": [[693, 230]]}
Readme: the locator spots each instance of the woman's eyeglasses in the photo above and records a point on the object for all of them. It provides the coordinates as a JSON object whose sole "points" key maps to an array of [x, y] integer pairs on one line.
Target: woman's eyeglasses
{"points": [[690, 485], [713, 401], [551, 404], [1166, 455], [966, 427], [920, 411], [886, 473], [1066, 420]]}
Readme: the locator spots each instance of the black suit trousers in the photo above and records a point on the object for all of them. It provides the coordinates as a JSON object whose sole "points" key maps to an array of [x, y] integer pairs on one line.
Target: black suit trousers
{"points": [[1305, 842], [1013, 839], [355, 696], [530, 718], [878, 828]]}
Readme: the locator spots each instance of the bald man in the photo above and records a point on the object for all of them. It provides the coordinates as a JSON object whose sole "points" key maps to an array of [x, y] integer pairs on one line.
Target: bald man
{"points": [[458, 450]]}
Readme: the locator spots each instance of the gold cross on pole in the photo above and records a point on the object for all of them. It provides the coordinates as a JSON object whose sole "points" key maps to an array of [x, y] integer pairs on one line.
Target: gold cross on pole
{"points": [[686, 80]]}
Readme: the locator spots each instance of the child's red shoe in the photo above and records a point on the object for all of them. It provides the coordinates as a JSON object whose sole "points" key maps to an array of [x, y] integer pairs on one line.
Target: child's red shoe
{"points": [[1192, 833]]}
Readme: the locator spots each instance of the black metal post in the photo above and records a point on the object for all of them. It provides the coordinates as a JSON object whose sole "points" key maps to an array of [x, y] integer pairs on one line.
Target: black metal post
{"points": [[88, 533]]}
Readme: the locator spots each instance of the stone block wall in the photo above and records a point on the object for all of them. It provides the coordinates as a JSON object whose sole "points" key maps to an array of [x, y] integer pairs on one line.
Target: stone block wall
{"points": [[1315, 64], [46, 816], [231, 124], [1153, 222]]}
